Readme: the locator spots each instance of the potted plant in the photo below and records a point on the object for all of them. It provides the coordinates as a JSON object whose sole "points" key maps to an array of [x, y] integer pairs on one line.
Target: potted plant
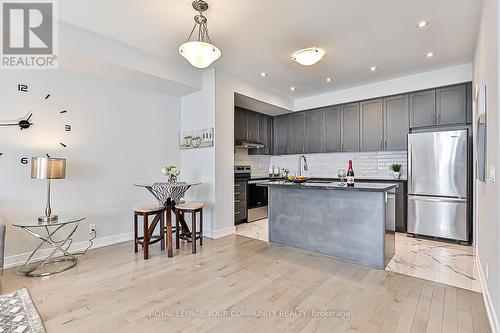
{"points": [[172, 172], [396, 171]]}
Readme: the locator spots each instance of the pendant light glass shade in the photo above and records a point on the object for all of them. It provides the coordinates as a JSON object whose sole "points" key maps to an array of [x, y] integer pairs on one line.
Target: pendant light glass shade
{"points": [[308, 57], [200, 54]]}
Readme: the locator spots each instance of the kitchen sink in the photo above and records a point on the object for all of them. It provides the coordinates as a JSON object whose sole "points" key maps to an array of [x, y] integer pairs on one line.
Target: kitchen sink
{"points": [[320, 181]]}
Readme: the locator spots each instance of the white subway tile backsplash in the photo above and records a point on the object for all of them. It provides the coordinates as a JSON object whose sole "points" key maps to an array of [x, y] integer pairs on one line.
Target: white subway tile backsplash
{"points": [[373, 165]]}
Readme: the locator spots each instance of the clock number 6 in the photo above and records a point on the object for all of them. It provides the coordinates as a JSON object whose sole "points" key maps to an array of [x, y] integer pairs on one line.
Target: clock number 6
{"points": [[24, 160]]}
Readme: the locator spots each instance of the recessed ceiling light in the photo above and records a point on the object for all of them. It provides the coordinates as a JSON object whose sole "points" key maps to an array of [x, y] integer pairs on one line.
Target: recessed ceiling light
{"points": [[263, 74], [292, 88], [422, 24], [309, 56], [328, 79], [429, 54], [373, 69]]}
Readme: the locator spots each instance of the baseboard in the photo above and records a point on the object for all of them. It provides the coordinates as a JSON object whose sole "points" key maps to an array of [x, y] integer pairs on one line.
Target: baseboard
{"points": [[20, 259], [490, 309], [219, 233]]}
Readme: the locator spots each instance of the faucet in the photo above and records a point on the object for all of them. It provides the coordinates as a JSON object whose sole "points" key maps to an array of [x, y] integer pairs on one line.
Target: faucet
{"points": [[300, 164]]}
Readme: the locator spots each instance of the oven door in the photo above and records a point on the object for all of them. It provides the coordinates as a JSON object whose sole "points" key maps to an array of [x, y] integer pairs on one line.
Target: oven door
{"points": [[257, 200]]}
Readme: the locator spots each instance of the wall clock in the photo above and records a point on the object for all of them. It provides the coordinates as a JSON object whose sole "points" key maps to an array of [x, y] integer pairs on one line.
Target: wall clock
{"points": [[32, 115]]}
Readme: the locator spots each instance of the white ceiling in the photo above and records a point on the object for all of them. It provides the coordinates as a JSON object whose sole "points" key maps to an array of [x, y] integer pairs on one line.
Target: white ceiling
{"points": [[260, 36]]}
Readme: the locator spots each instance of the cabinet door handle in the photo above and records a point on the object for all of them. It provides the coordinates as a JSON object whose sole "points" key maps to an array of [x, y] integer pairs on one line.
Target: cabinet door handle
{"points": [[385, 144], [236, 185], [236, 193], [439, 118], [236, 201], [236, 213], [381, 144]]}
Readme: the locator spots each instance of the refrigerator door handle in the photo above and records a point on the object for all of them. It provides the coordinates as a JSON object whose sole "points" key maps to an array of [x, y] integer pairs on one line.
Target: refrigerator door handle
{"points": [[434, 199], [410, 169]]}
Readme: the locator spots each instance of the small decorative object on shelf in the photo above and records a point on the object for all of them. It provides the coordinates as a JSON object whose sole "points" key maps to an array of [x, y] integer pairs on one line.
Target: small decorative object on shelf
{"points": [[396, 171], [172, 172], [197, 139]]}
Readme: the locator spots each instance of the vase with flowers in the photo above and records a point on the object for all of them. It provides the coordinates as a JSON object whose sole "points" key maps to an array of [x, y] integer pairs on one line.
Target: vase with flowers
{"points": [[172, 172]]}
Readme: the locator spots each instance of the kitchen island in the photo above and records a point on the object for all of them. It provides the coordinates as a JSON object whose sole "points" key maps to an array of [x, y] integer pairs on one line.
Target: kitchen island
{"points": [[354, 224]]}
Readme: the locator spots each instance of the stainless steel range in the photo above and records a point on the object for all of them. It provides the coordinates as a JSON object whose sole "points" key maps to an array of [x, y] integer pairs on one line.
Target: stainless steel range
{"points": [[250, 200]]}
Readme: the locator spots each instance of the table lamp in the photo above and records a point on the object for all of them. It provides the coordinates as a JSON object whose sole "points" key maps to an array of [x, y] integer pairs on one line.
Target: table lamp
{"points": [[48, 168]]}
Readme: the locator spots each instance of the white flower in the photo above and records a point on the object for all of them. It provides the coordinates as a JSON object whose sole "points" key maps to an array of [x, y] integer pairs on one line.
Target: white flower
{"points": [[164, 171]]}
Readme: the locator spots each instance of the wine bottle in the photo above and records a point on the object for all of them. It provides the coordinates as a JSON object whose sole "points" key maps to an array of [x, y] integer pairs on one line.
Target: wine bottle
{"points": [[350, 175]]}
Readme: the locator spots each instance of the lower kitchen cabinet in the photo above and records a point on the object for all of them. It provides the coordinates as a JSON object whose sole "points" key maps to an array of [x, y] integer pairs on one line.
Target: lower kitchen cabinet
{"points": [[240, 201]]}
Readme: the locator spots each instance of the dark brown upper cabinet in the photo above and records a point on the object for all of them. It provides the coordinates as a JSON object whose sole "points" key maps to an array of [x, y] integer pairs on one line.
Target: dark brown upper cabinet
{"points": [[451, 105], [396, 122], [315, 131], [423, 109], [333, 129], [281, 135], [297, 138], [371, 125], [240, 124], [350, 127]]}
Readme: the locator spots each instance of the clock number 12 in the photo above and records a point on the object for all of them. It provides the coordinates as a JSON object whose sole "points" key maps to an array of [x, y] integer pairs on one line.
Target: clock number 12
{"points": [[22, 87]]}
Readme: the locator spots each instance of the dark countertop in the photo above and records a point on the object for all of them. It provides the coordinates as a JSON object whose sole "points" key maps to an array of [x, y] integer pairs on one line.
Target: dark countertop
{"points": [[358, 186], [388, 180]]}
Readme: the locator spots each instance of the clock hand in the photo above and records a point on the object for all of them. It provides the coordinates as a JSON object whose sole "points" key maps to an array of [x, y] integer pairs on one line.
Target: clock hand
{"points": [[16, 124], [28, 119]]}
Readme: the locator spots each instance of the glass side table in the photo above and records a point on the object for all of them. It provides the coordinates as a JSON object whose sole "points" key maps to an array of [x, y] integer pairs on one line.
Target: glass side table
{"points": [[46, 233]]}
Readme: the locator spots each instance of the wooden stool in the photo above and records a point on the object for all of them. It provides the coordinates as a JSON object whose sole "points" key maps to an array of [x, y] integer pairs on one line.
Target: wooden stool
{"points": [[145, 211], [193, 208]]}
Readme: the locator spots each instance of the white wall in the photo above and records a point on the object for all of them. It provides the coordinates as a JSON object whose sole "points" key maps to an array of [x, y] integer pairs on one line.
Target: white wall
{"points": [[198, 165], [487, 194], [426, 80], [121, 135]]}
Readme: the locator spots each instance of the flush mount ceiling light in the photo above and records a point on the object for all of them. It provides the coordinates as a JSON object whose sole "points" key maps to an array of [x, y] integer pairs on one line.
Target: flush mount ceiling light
{"points": [[422, 24], [429, 54], [328, 79], [263, 74], [292, 88], [200, 53], [309, 56], [373, 69]]}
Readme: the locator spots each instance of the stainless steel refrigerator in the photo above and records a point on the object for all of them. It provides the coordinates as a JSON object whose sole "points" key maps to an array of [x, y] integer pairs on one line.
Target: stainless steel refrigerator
{"points": [[437, 184]]}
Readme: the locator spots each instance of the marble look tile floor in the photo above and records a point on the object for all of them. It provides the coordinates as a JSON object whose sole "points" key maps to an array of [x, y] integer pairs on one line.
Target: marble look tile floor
{"points": [[446, 263], [256, 230]]}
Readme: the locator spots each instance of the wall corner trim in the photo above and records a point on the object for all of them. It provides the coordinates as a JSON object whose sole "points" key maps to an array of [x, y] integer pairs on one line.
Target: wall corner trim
{"points": [[488, 304]]}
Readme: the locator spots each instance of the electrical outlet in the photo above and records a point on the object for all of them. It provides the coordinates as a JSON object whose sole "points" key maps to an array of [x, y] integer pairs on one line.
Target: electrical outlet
{"points": [[91, 228], [487, 273]]}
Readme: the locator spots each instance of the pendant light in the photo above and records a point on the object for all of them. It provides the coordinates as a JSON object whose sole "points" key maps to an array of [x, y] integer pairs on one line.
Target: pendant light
{"points": [[200, 53]]}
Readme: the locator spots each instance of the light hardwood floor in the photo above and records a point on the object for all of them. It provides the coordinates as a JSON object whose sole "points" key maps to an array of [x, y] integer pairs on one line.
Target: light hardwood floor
{"points": [[114, 290]]}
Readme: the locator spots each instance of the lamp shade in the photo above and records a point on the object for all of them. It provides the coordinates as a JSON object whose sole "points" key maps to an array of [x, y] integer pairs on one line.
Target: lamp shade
{"points": [[200, 54], [48, 168]]}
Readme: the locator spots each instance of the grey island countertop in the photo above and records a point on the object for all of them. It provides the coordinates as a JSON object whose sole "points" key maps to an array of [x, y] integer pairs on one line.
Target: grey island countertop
{"points": [[358, 186]]}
